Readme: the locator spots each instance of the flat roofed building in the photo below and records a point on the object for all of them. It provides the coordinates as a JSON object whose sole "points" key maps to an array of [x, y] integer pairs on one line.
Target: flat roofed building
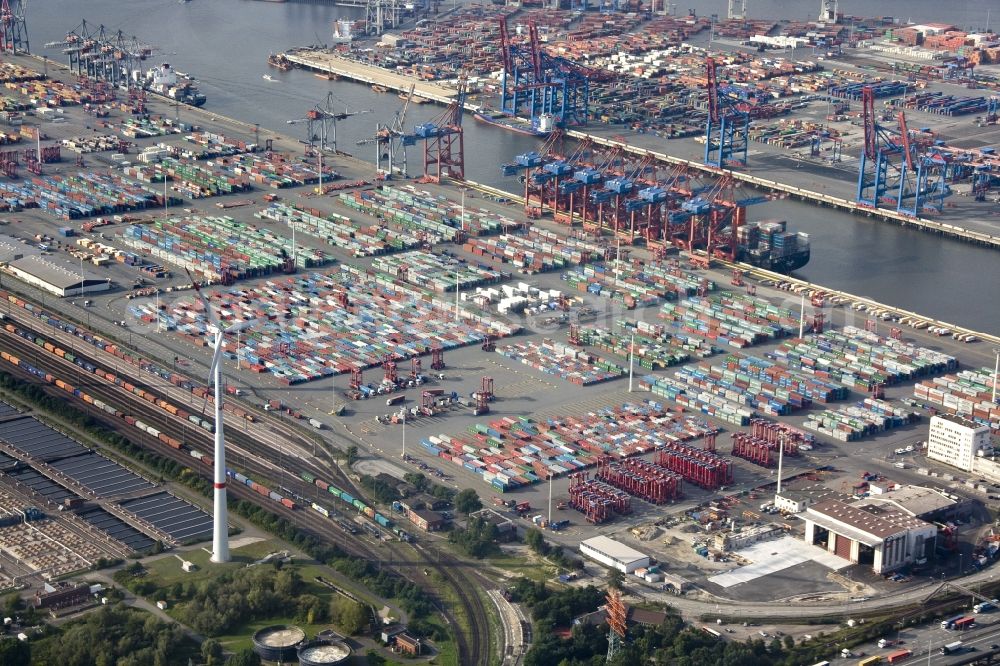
{"points": [[56, 278], [614, 554], [918, 501], [886, 538], [956, 441]]}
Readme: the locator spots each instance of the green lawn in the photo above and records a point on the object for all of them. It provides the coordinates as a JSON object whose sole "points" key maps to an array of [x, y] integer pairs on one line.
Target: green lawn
{"points": [[531, 568]]}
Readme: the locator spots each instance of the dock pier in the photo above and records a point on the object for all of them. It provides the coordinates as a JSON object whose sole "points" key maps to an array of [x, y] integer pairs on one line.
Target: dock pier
{"points": [[329, 63]]}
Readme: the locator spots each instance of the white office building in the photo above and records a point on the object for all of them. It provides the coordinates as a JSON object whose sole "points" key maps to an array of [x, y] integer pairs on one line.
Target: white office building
{"points": [[956, 441], [613, 554]]}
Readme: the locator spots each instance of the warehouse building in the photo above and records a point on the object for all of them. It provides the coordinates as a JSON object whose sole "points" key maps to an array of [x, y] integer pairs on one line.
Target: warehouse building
{"points": [[956, 441], [11, 249], [56, 278], [920, 502], [613, 554], [883, 537]]}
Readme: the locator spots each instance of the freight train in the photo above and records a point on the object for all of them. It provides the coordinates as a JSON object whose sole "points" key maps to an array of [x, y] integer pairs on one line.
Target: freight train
{"points": [[176, 379], [357, 504], [172, 442]]}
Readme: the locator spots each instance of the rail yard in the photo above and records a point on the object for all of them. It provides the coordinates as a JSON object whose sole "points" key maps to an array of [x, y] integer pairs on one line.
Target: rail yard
{"points": [[614, 351]]}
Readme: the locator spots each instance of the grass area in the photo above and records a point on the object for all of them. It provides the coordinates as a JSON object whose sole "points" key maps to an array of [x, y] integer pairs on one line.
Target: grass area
{"points": [[529, 567]]}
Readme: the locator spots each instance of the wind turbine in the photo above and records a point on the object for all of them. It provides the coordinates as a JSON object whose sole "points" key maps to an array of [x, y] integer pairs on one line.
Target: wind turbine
{"points": [[220, 532]]}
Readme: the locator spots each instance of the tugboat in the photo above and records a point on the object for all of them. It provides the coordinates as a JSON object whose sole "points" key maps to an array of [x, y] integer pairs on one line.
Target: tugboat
{"points": [[280, 61]]}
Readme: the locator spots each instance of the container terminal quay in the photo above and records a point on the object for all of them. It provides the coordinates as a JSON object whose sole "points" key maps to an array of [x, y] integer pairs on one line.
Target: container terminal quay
{"points": [[610, 357], [796, 181]]}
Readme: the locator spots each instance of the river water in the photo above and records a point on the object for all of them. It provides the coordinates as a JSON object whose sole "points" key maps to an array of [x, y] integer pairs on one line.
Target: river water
{"points": [[225, 43]]}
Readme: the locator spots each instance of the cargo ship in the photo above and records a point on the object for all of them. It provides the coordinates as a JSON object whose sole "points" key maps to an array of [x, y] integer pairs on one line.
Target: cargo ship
{"points": [[769, 245], [166, 81], [542, 128]]}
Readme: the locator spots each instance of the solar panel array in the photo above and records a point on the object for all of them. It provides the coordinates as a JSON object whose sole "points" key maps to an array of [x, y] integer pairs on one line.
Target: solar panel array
{"points": [[38, 440], [180, 519], [42, 485], [101, 476], [7, 410], [118, 530]]}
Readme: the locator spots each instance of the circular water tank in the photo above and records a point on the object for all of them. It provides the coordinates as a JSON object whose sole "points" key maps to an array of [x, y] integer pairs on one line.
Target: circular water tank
{"points": [[278, 643], [323, 652]]}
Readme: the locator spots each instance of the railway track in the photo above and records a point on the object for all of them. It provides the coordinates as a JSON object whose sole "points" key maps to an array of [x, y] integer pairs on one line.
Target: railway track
{"points": [[257, 458]]}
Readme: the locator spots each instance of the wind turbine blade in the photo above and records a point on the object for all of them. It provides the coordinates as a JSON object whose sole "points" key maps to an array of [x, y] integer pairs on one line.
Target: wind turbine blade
{"points": [[209, 312], [242, 326]]}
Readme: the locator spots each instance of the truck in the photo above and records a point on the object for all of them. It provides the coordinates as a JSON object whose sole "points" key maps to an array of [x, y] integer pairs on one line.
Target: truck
{"points": [[315, 423], [393, 399], [950, 622], [966, 622], [898, 656], [985, 606], [952, 648], [886, 642]]}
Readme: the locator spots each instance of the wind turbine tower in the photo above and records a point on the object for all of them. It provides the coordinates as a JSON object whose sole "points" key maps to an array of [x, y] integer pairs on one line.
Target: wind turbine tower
{"points": [[220, 531]]}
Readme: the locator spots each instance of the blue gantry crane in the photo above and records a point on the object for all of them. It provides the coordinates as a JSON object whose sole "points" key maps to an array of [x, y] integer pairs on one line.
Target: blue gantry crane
{"points": [[895, 173], [728, 126], [548, 90]]}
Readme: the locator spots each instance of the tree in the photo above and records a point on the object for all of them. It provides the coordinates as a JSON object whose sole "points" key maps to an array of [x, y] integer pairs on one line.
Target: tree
{"points": [[375, 659], [14, 652], [352, 454], [350, 616], [467, 501], [616, 579], [245, 657], [535, 541], [12, 603], [211, 652]]}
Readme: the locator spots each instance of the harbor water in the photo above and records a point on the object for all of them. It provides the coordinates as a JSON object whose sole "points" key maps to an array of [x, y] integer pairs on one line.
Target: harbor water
{"points": [[224, 44]]}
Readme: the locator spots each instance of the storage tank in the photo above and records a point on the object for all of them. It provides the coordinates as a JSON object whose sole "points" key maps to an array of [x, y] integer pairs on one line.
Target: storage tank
{"points": [[278, 643], [323, 652]]}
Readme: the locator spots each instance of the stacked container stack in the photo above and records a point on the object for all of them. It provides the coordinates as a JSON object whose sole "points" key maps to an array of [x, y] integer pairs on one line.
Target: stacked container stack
{"points": [[437, 272], [510, 452], [702, 401], [649, 354], [633, 283], [565, 361], [339, 230], [219, 247], [688, 344], [537, 250], [191, 179], [968, 393], [80, 195], [736, 320], [309, 334], [439, 218], [868, 417], [212, 145], [860, 360]]}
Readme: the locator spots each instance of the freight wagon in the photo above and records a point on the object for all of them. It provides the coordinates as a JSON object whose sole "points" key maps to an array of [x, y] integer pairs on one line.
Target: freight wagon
{"points": [[356, 505]]}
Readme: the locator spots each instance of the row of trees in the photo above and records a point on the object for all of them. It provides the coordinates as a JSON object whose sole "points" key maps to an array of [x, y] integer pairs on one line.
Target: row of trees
{"points": [[477, 539], [109, 636]]}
